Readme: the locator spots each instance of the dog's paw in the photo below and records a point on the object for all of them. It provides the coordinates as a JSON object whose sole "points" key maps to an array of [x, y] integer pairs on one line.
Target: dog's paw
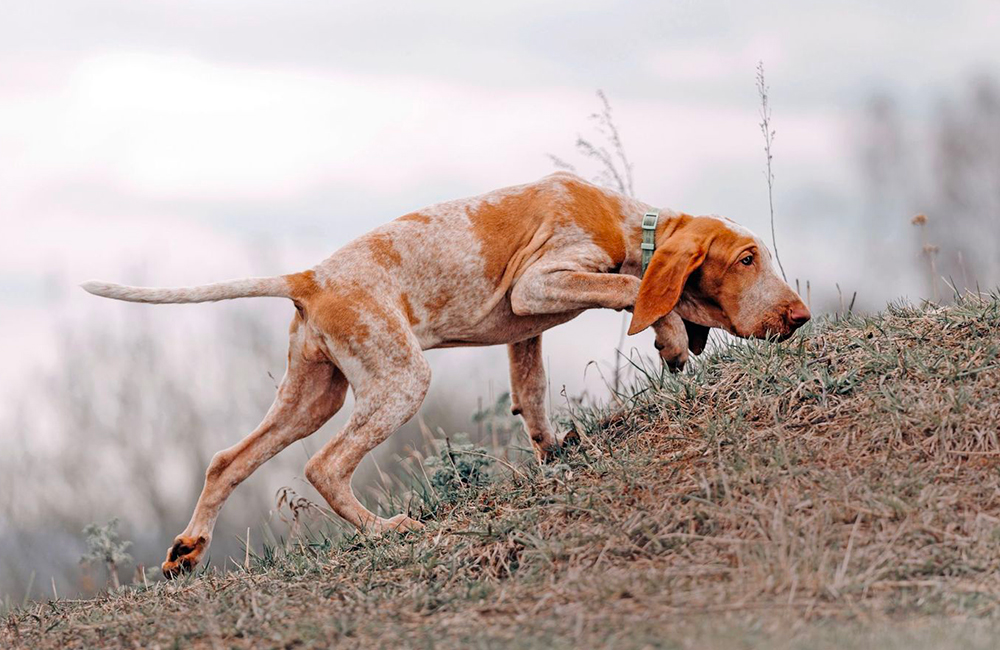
{"points": [[184, 555], [671, 341], [673, 353], [547, 454], [397, 524], [675, 362], [552, 453]]}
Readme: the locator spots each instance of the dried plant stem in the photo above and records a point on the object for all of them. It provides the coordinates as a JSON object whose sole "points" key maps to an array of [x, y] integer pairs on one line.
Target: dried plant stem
{"points": [[615, 172], [929, 250], [618, 353], [768, 131]]}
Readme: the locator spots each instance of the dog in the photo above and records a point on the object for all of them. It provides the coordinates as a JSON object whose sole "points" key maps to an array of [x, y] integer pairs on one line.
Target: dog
{"points": [[500, 268]]}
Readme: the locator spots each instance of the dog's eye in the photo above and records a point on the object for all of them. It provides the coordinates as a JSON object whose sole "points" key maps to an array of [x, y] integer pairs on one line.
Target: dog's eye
{"points": [[747, 261]]}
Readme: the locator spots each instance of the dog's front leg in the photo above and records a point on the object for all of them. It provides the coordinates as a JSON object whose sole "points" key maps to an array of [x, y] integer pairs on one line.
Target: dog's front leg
{"points": [[552, 292], [672, 341], [527, 390], [558, 291]]}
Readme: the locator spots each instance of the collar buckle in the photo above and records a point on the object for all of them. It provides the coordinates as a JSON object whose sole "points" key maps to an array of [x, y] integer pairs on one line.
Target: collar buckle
{"points": [[648, 238]]}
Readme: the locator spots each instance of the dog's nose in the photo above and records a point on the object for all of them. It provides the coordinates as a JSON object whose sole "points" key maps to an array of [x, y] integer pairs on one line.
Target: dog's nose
{"points": [[798, 315]]}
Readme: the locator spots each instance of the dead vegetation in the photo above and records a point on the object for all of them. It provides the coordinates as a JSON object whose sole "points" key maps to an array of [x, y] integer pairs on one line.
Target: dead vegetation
{"points": [[806, 494]]}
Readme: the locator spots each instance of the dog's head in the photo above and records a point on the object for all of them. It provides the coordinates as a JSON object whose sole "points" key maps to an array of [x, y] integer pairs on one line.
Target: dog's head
{"points": [[716, 273]]}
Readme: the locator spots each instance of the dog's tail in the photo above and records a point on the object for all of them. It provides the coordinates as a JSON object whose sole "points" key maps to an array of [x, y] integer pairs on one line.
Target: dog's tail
{"points": [[277, 287]]}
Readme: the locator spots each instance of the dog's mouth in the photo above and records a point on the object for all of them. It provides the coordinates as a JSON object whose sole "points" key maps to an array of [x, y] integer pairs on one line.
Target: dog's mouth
{"points": [[777, 330]]}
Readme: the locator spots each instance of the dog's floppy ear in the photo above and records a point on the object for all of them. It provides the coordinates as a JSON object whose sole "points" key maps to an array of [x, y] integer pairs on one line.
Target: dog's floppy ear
{"points": [[664, 280], [697, 336]]}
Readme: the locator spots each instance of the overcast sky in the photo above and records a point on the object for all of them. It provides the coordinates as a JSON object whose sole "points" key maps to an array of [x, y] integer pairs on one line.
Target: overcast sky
{"points": [[186, 142]]}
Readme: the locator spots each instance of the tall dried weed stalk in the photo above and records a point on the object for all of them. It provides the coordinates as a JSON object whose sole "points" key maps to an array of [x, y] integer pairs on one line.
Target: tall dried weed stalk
{"points": [[614, 171], [768, 132]]}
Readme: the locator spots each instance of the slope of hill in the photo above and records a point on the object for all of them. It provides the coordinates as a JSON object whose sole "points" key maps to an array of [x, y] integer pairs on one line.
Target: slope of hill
{"points": [[840, 488]]}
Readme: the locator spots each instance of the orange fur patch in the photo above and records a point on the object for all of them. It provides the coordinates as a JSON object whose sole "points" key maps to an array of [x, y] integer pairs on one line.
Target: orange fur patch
{"points": [[436, 304], [599, 214], [302, 285], [383, 250], [505, 226], [408, 310], [337, 312], [415, 216]]}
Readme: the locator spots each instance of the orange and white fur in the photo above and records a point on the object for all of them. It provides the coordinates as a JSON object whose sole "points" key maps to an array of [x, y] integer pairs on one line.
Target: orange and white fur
{"points": [[500, 268]]}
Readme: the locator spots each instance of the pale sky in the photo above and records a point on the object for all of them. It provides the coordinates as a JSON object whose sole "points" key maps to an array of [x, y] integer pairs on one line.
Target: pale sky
{"points": [[187, 142]]}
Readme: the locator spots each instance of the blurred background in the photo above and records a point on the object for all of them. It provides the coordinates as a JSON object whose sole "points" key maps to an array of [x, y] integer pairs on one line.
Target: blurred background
{"points": [[177, 143]]}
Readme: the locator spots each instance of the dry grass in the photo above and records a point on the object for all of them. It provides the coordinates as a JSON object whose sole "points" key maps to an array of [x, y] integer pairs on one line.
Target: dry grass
{"points": [[840, 489]]}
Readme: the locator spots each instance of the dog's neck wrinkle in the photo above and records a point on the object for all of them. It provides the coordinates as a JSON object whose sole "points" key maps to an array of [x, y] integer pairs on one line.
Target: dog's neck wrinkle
{"points": [[701, 312]]}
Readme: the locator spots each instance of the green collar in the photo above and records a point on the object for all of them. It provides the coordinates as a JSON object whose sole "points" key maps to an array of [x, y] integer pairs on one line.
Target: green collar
{"points": [[648, 237]]}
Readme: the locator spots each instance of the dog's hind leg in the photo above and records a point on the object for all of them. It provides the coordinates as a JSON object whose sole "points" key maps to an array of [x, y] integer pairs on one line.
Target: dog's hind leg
{"points": [[311, 392], [389, 388], [527, 388]]}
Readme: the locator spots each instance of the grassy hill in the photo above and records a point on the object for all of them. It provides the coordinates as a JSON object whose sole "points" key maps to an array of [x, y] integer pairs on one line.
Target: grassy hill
{"points": [[841, 488]]}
